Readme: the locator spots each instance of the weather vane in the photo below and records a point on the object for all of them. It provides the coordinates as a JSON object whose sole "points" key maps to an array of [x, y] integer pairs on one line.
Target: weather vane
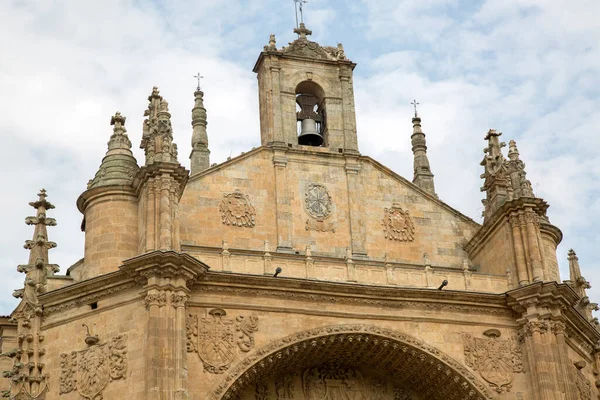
{"points": [[298, 7], [198, 76], [415, 104]]}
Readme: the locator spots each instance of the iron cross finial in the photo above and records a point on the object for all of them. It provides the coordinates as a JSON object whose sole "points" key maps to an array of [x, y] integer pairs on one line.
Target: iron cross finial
{"points": [[298, 7], [415, 104], [198, 76]]}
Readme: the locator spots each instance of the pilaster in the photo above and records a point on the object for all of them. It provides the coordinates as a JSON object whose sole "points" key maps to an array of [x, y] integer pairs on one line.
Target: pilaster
{"points": [[283, 199], [355, 205]]}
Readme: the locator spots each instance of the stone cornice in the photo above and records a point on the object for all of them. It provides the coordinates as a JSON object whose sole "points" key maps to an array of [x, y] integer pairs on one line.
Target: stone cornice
{"points": [[553, 301], [91, 194], [553, 231], [280, 55], [484, 233], [164, 264], [156, 169], [333, 292]]}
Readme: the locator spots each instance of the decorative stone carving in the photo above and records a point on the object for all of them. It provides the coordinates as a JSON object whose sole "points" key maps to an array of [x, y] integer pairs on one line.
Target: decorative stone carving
{"points": [[236, 210], [284, 388], [401, 394], [155, 299], [261, 392], [319, 226], [214, 338], [317, 201], [178, 300], [397, 224], [333, 382], [496, 360], [583, 384], [89, 371], [378, 389]]}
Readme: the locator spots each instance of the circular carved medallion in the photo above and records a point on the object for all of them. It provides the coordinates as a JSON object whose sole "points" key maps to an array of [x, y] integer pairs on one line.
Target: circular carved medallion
{"points": [[317, 201]]}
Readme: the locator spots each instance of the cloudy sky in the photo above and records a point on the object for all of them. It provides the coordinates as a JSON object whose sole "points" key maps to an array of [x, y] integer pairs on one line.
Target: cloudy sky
{"points": [[528, 68]]}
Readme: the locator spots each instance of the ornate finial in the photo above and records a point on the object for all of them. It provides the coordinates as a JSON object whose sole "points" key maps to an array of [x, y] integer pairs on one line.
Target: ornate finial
{"points": [[119, 122], [272, 43], [415, 104], [198, 76]]}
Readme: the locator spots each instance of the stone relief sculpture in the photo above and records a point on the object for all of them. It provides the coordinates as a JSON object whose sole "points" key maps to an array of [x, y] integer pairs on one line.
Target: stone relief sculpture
{"points": [[496, 360], [317, 201], [216, 337], [583, 384], [331, 382], [89, 371], [397, 224], [237, 210], [284, 388]]}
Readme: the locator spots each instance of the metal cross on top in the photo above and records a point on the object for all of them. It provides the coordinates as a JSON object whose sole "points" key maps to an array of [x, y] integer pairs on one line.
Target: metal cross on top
{"points": [[198, 77], [415, 104], [298, 7]]}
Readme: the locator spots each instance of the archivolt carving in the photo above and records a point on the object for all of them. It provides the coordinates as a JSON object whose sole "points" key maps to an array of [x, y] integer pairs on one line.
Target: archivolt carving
{"points": [[496, 360], [89, 371], [397, 224], [214, 340], [430, 372], [236, 210]]}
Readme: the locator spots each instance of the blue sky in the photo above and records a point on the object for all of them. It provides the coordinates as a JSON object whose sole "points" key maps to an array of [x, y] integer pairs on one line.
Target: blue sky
{"points": [[528, 68]]}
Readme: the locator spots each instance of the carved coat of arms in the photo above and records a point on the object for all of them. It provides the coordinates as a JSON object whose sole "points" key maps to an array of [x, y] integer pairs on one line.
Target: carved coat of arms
{"points": [[89, 371], [329, 382], [496, 360], [317, 201], [397, 224], [216, 338], [236, 209]]}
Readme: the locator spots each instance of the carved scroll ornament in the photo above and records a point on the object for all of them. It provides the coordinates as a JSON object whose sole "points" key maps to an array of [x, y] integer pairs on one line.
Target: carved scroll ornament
{"points": [[89, 371], [496, 360], [237, 210], [397, 224], [216, 338]]}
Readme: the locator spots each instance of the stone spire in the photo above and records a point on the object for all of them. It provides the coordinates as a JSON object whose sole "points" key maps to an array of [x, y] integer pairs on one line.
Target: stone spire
{"points": [[520, 185], [38, 267], [200, 156], [579, 284], [496, 184], [119, 166], [423, 177], [27, 375], [157, 138]]}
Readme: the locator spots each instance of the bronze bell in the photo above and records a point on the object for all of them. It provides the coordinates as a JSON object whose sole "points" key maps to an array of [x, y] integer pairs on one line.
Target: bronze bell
{"points": [[308, 134]]}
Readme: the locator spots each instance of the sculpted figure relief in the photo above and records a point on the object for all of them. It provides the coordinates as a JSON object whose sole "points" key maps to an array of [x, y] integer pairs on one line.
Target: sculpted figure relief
{"points": [[236, 210], [397, 224], [216, 337], [331, 382], [496, 360], [89, 371]]}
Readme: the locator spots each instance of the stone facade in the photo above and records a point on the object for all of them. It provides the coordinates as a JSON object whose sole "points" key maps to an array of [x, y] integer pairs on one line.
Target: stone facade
{"points": [[298, 272]]}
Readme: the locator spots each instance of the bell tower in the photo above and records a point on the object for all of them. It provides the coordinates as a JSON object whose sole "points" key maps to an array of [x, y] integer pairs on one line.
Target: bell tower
{"points": [[306, 95]]}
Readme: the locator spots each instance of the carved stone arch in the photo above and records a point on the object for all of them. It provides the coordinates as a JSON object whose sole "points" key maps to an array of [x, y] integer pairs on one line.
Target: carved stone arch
{"points": [[330, 89], [402, 358]]}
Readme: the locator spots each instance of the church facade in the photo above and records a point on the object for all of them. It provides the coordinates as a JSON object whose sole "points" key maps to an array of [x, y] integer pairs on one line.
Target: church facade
{"points": [[301, 269]]}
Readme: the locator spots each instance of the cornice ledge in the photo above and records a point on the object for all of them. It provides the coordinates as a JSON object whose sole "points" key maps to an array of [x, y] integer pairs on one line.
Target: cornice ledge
{"points": [[92, 193], [552, 300], [158, 168], [481, 236], [553, 231], [164, 264], [85, 292]]}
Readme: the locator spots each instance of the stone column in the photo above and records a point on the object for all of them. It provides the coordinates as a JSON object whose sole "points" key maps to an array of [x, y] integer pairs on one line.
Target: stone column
{"points": [[355, 208], [150, 217], [283, 200], [534, 249], [522, 275], [566, 379], [165, 214]]}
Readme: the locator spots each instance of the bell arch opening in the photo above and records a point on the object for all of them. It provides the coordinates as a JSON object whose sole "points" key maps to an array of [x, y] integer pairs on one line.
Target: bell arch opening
{"points": [[356, 362], [310, 114]]}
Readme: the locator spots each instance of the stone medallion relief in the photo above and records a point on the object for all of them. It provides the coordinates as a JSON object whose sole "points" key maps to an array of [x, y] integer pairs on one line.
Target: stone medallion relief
{"points": [[217, 338], [89, 371], [397, 224], [319, 205], [496, 360], [236, 210]]}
